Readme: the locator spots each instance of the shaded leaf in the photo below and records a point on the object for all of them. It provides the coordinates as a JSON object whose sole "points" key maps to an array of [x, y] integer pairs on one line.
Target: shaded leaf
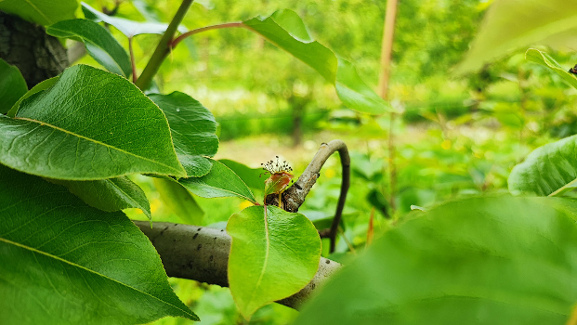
{"points": [[286, 30], [193, 130], [90, 125], [40, 11], [101, 46], [272, 256], [497, 261], [65, 262], [221, 181], [548, 170], [12, 86], [113, 194], [512, 24], [41, 86], [179, 200], [253, 177], [546, 60], [129, 28]]}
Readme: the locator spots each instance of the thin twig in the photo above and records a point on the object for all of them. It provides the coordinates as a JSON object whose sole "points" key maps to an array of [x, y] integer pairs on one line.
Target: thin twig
{"points": [[204, 29], [294, 196], [163, 48], [132, 61]]}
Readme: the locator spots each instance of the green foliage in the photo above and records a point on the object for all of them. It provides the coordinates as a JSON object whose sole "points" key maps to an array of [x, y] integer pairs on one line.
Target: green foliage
{"points": [[536, 22], [12, 86], [179, 200], [79, 264], [220, 182], [128, 135], [546, 60], [112, 194], [104, 48], [285, 29], [40, 11], [485, 260], [192, 127], [273, 255], [549, 170]]}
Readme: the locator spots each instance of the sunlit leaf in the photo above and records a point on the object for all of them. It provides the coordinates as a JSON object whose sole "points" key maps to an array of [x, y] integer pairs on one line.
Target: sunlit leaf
{"points": [[548, 170], [90, 125], [253, 177], [272, 256], [513, 24], [477, 261], [129, 28], [40, 11], [193, 130], [546, 60], [286, 30], [12, 86], [64, 262], [101, 46], [113, 194], [221, 181], [179, 200]]}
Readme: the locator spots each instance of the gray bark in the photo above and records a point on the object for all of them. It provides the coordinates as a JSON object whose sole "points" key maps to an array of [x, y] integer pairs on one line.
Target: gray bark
{"points": [[201, 254]]}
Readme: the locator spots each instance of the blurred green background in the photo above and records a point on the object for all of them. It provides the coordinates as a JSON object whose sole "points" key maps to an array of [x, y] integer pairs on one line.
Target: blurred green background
{"points": [[456, 136]]}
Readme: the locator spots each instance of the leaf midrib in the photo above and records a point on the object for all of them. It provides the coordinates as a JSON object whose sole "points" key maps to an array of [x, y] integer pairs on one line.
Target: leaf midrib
{"points": [[34, 250], [40, 123]]}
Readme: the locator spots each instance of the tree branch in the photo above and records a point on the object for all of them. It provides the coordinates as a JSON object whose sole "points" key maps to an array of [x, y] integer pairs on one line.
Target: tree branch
{"points": [[295, 196], [201, 254]]}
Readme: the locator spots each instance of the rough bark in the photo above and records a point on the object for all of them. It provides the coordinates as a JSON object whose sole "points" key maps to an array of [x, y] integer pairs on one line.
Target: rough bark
{"points": [[201, 254], [28, 47]]}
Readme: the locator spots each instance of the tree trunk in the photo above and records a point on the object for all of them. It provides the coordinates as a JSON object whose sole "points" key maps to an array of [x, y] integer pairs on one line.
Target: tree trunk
{"points": [[37, 55]]}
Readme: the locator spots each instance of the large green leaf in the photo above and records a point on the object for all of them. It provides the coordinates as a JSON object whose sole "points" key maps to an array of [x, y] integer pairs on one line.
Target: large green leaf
{"points": [[63, 262], [90, 125], [179, 200], [193, 131], [113, 194], [104, 48], [548, 170], [501, 260], [129, 28], [43, 12], [546, 60], [273, 255], [12, 86], [285, 29], [252, 177], [513, 24], [41, 86], [220, 182]]}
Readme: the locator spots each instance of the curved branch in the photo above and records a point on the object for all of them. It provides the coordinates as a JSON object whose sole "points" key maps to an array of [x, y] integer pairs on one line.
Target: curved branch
{"points": [[295, 196], [201, 254], [204, 29]]}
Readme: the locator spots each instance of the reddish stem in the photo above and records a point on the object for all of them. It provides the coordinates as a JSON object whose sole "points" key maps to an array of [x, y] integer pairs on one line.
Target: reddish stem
{"points": [[204, 29]]}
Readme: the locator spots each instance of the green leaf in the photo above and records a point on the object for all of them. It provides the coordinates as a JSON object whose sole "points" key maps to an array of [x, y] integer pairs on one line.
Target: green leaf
{"points": [[101, 46], [273, 255], [286, 30], [252, 177], [64, 262], [547, 61], [495, 261], [129, 28], [548, 170], [36, 89], [193, 131], [179, 200], [221, 181], [513, 24], [40, 11], [113, 194], [90, 125], [12, 86]]}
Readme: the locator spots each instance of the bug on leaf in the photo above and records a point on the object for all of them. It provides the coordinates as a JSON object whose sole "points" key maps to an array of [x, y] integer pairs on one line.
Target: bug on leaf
{"points": [[280, 177]]}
